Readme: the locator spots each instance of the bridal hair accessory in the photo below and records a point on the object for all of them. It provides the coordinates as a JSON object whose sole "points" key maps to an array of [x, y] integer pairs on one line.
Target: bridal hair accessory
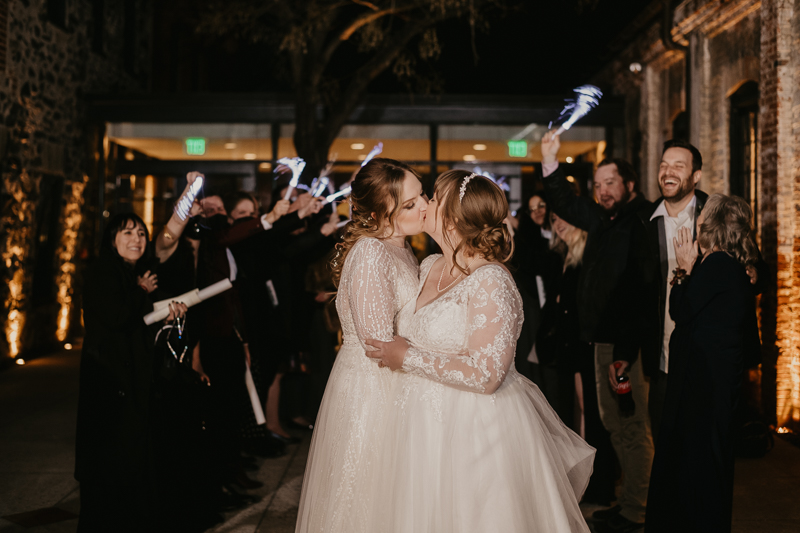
{"points": [[463, 190]]}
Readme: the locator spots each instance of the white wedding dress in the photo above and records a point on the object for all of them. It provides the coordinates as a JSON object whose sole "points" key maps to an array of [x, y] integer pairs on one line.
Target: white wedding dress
{"points": [[470, 445], [377, 280]]}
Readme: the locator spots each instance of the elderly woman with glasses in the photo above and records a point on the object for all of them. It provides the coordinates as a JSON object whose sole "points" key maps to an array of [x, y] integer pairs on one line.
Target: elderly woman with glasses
{"points": [[712, 304]]}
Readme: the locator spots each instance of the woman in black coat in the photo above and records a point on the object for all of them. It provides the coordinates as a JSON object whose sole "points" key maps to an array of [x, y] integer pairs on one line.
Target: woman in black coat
{"points": [[113, 443], [691, 486]]}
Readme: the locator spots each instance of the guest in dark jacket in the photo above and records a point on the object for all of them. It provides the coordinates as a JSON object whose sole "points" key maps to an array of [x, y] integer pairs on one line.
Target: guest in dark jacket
{"points": [[691, 487], [616, 272], [114, 462], [573, 362]]}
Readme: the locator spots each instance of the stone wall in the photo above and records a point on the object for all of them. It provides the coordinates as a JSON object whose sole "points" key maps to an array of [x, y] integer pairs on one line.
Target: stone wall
{"points": [[50, 68], [729, 43]]}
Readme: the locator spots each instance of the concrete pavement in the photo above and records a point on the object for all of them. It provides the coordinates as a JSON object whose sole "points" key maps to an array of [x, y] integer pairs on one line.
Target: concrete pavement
{"points": [[38, 494]]}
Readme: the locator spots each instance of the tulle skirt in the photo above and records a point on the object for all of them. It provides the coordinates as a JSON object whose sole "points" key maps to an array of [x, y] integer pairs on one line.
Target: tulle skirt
{"points": [[458, 462], [336, 490]]}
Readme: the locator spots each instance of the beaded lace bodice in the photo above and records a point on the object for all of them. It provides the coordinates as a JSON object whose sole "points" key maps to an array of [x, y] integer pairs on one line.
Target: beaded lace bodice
{"points": [[465, 338], [378, 279]]}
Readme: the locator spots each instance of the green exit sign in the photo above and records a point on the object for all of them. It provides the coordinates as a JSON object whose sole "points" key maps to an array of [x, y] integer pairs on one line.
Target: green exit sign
{"points": [[518, 148], [195, 146]]}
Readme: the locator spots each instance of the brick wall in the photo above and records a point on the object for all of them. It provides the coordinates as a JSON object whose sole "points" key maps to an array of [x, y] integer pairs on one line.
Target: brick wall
{"points": [[732, 42], [49, 71]]}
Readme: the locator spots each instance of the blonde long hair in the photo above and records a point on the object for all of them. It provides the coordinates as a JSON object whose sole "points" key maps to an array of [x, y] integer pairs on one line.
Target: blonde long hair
{"points": [[571, 249], [727, 226], [376, 190]]}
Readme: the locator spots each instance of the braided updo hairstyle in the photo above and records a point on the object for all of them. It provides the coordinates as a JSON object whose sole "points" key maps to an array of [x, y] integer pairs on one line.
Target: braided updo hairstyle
{"points": [[376, 200], [477, 217]]}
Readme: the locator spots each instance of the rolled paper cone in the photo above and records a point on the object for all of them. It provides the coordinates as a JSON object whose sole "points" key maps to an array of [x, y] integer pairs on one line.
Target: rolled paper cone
{"points": [[255, 401], [191, 298], [560, 130], [288, 194], [217, 288]]}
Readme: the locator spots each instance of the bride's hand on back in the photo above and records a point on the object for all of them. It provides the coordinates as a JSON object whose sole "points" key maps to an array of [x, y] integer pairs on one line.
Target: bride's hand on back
{"points": [[388, 354]]}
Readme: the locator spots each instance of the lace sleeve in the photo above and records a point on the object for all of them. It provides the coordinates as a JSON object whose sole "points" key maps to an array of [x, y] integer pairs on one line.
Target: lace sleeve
{"points": [[370, 291], [494, 321]]}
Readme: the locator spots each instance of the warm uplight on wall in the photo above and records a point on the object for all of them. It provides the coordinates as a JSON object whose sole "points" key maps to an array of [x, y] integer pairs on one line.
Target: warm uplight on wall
{"points": [[571, 179], [133, 182], [635, 67], [357, 146], [470, 157], [67, 346], [362, 157], [230, 146], [20, 361], [264, 166], [66, 254], [570, 160], [129, 155], [479, 147], [250, 156], [783, 430]]}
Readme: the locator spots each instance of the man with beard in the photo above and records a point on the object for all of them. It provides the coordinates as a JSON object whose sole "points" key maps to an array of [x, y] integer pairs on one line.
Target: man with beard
{"points": [[616, 272], [679, 206]]}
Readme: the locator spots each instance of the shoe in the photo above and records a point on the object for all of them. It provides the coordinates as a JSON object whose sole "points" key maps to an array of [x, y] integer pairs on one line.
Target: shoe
{"points": [[294, 425], [618, 524], [285, 440], [606, 514]]}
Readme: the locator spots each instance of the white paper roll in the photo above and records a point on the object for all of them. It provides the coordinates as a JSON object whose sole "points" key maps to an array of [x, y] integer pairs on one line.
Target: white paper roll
{"points": [[191, 298]]}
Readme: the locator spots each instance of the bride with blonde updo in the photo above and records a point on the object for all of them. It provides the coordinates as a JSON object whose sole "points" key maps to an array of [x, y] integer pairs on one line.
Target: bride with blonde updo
{"points": [[376, 275], [470, 445]]}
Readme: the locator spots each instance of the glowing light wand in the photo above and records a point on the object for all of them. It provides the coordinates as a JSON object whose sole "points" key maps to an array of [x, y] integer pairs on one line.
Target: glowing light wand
{"points": [[334, 196], [318, 188], [184, 205], [297, 165], [587, 97], [377, 149]]}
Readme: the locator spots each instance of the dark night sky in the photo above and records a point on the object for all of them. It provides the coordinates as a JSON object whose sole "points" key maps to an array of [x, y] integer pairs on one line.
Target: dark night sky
{"points": [[541, 47]]}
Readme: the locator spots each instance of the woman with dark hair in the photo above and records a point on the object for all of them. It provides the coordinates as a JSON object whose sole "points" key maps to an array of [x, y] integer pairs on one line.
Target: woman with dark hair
{"points": [[536, 270], [377, 274], [114, 462], [470, 445], [691, 486]]}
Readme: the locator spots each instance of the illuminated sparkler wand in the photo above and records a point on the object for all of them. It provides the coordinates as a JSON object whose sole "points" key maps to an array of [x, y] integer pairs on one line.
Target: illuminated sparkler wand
{"points": [[377, 149], [296, 164], [340, 194], [184, 205], [587, 97], [319, 188]]}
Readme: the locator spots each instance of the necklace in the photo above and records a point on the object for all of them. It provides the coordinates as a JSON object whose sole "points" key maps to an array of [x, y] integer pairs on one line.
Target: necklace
{"points": [[439, 285]]}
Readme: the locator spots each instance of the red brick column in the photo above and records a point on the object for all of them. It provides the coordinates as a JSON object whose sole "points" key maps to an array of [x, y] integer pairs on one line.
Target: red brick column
{"points": [[780, 206]]}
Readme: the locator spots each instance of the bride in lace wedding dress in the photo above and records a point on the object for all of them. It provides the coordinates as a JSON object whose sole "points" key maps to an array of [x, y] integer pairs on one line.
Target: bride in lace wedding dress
{"points": [[469, 444], [378, 275]]}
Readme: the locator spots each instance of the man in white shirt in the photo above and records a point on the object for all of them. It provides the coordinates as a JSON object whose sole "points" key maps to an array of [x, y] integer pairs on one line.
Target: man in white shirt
{"points": [[678, 207]]}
